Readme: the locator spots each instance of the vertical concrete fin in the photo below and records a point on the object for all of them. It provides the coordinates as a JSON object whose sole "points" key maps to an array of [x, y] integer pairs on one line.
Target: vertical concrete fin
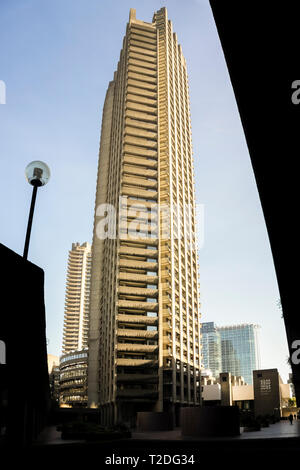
{"points": [[132, 14]]}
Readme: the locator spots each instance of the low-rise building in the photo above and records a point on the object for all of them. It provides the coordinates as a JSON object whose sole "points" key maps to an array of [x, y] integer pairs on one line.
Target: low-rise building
{"points": [[268, 396], [226, 390], [271, 394]]}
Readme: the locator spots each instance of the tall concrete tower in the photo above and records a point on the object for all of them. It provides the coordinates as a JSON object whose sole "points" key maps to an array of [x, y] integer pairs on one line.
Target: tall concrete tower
{"points": [[76, 319], [144, 340]]}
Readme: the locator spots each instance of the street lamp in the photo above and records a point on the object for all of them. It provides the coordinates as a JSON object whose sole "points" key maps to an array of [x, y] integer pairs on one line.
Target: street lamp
{"points": [[37, 174]]}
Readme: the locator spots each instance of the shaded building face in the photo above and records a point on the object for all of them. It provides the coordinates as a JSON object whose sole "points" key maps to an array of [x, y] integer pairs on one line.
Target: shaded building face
{"points": [[144, 340], [267, 393]]}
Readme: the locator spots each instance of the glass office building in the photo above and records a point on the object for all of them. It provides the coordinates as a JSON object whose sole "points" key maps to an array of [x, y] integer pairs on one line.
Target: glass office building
{"points": [[240, 350], [211, 348]]}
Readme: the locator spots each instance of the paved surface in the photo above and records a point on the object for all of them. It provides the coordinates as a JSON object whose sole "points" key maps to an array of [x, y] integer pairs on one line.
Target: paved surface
{"points": [[279, 430], [53, 437], [275, 431]]}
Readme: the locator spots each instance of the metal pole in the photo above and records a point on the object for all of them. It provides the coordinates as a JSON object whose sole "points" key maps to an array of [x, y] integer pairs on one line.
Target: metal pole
{"points": [[26, 246]]}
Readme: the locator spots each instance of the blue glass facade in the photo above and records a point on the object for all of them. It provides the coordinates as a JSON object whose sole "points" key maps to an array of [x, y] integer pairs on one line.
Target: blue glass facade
{"points": [[211, 348], [240, 350], [232, 349]]}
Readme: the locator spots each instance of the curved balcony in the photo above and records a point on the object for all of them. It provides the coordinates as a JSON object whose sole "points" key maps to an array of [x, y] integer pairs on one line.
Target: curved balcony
{"points": [[138, 319], [141, 161], [134, 250], [126, 333], [136, 393], [137, 362], [137, 224], [131, 304], [145, 348], [139, 182], [138, 291], [131, 170], [149, 279], [71, 384], [139, 192], [150, 378], [133, 264]]}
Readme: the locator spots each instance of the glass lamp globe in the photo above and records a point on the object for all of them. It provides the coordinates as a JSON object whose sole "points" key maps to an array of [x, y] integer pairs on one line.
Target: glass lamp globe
{"points": [[37, 173]]}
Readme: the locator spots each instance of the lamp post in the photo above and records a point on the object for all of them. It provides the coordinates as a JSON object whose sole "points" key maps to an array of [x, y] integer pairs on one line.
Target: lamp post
{"points": [[37, 174]]}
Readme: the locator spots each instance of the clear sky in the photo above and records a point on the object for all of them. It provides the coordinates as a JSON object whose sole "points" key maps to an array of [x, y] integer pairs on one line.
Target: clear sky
{"points": [[57, 58]]}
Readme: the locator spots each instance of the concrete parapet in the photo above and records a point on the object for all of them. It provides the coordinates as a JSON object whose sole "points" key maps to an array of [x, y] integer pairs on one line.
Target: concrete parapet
{"points": [[154, 421], [210, 421]]}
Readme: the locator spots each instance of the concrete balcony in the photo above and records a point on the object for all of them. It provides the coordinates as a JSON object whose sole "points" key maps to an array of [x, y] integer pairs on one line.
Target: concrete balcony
{"points": [[141, 50], [139, 182], [70, 382], [132, 250], [132, 170], [72, 308], [129, 263], [135, 393], [149, 279], [137, 291], [145, 44], [145, 117], [140, 124], [131, 304], [143, 100], [124, 333], [143, 71], [137, 192], [151, 39], [145, 91], [141, 142], [138, 225], [140, 161], [143, 348], [151, 241], [138, 378], [137, 319], [137, 362], [142, 133], [135, 150]]}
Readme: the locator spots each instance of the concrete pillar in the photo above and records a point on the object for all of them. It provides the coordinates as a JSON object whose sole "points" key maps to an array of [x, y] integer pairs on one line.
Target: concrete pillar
{"points": [[226, 389]]}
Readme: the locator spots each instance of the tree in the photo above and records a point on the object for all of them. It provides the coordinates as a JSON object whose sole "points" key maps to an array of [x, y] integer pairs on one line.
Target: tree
{"points": [[292, 402]]}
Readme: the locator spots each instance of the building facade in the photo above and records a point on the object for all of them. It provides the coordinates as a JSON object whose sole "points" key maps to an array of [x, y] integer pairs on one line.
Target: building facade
{"points": [[240, 350], [76, 318], [271, 394], [267, 396], [144, 341], [73, 379], [211, 348], [53, 370], [233, 349]]}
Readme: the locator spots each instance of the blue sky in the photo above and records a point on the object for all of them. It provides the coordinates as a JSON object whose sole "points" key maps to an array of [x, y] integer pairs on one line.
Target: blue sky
{"points": [[57, 58]]}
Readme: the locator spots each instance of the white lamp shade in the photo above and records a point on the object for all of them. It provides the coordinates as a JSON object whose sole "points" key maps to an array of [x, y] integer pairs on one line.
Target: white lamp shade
{"points": [[37, 173]]}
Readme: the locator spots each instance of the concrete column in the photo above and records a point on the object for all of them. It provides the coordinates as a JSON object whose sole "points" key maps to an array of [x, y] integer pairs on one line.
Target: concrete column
{"points": [[226, 389]]}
